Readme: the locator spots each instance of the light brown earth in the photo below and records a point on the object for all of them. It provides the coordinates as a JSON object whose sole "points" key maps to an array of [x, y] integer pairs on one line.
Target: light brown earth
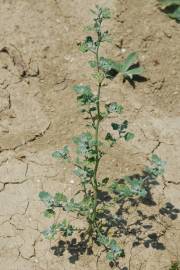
{"points": [[39, 63]]}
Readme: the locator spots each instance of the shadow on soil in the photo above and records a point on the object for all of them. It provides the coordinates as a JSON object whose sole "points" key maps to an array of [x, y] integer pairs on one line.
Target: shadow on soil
{"points": [[140, 227]]}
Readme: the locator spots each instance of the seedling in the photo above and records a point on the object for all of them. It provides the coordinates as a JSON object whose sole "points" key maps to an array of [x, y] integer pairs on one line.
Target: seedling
{"points": [[99, 213], [172, 8]]}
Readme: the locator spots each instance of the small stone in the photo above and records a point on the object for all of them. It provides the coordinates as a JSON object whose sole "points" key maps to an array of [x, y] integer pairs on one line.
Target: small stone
{"points": [[123, 50]]}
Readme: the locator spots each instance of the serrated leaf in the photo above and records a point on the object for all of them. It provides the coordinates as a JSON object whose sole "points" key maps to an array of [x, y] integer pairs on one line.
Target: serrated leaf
{"points": [[85, 95], [129, 136], [114, 107], [62, 153], [66, 228]]}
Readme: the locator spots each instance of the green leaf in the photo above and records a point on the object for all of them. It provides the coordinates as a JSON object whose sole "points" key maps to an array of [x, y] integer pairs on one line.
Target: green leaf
{"points": [[72, 206], [86, 146], [175, 14], [155, 159], [83, 48], [106, 37], [166, 3], [50, 232], [106, 64], [87, 45], [85, 95], [83, 89], [136, 186], [175, 266], [59, 199], [172, 8], [46, 198], [106, 13], [110, 139], [126, 67], [158, 167], [66, 228], [121, 189], [84, 172], [62, 153], [129, 136], [105, 181], [132, 72], [114, 107], [114, 250], [129, 61], [110, 256], [93, 64], [120, 127], [49, 213], [99, 76]]}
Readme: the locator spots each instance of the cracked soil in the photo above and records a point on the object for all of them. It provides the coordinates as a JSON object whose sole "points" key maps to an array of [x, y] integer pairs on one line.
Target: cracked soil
{"points": [[39, 63]]}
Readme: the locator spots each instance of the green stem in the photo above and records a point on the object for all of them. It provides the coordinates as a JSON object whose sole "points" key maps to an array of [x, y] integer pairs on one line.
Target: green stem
{"points": [[95, 182], [92, 225]]}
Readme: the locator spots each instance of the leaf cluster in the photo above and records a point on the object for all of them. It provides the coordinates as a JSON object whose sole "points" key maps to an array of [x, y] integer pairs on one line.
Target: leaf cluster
{"points": [[112, 247], [121, 129], [133, 186]]}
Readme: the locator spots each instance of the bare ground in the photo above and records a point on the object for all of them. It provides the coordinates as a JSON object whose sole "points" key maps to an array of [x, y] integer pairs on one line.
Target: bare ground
{"points": [[39, 63]]}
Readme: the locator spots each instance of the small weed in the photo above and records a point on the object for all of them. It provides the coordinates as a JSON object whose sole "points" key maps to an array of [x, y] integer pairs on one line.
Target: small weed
{"points": [[98, 200]]}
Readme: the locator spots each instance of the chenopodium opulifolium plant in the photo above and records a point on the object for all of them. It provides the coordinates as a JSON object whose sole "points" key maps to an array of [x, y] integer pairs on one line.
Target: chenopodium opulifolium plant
{"points": [[98, 212], [172, 8]]}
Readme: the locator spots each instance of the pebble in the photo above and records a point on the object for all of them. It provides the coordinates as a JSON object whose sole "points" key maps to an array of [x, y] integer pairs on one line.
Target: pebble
{"points": [[123, 50]]}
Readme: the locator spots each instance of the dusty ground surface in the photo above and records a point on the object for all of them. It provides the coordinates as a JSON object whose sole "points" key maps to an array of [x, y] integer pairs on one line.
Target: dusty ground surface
{"points": [[39, 63]]}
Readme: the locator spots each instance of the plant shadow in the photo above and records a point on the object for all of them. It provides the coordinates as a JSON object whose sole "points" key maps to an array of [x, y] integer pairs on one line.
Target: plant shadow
{"points": [[144, 223], [142, 228], [74, 247]]}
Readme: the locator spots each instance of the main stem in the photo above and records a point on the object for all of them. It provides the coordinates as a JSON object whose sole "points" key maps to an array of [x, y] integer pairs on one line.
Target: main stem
{"points": [[95, 182]]}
